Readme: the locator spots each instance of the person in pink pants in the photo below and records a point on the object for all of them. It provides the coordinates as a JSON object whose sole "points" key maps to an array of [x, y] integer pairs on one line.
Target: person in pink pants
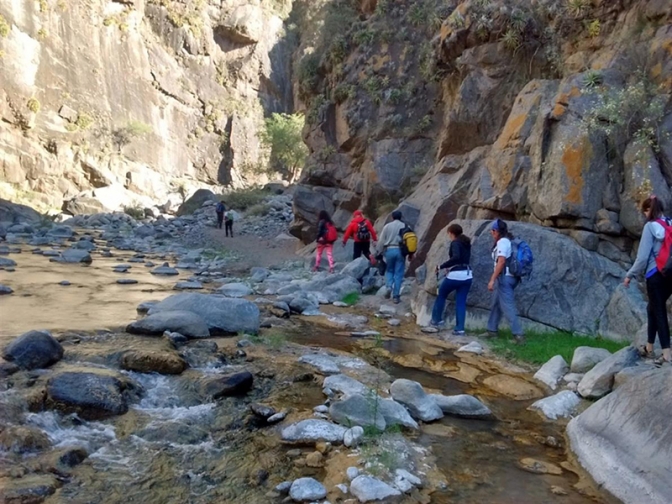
{"points": [[326, 236]]}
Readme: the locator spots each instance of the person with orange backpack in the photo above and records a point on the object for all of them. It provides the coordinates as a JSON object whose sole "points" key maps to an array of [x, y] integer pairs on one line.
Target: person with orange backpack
{"points": [[326, 237], [654, 259], [362, 232]]}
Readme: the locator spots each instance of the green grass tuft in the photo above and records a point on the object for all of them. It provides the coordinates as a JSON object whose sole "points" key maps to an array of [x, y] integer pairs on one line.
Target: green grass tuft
{"points": [[541, 346], [351, 299]]}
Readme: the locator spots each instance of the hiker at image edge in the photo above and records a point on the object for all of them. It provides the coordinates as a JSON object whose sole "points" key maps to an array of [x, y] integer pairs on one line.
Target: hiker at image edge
{"points": [[326, 237], [507, 275], [654, 260], [362, 232], [219, 210], [396, 243]]}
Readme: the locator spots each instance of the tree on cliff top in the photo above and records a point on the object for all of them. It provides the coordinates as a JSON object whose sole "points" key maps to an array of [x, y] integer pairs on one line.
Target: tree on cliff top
{"points": [[282, 134]]}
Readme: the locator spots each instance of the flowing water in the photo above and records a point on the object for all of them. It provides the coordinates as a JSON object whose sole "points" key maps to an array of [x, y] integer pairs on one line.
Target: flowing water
{"points": [[174, 447]]}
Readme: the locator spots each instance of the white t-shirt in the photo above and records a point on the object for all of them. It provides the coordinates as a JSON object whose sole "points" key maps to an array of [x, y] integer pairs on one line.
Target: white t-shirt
{"points": [[502, 249]]}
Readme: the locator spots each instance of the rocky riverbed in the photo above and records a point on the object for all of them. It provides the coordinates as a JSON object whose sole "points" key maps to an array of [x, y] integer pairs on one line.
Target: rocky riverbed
{"points": [[195, 385]]}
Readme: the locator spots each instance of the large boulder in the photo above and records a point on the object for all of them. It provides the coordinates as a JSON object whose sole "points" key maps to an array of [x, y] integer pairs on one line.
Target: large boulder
{"points": [[221, 314], [90, 395], [14, 213], [357, 268], [307, 489], [73, 256], [552, 371], [358, 410], [600, 380], [463, 405], [555, 293], [235, 290], [195, 201], [411, 394], [230, 385], [33, 350], [395, 414], [585, 358], [146, 361], [308, 431], [367, 488], [187, 323], [625, 442], [245, 25], [344, 384], [561, 405]]}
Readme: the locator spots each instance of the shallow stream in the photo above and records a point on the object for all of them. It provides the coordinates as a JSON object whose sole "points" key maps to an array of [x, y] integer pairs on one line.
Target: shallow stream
{"points": [[172, 447]]}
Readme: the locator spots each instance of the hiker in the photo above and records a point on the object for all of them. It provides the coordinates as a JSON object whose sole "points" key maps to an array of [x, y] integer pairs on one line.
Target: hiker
{"points": [[326, 236], [361, 229], [228, 222], [458, 279], [502, 283], [220, 209], [390, 245], [651, 259]]}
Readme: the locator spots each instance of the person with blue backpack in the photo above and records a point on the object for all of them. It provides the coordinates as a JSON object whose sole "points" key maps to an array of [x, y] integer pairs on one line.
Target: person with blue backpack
{"points": [[654, 259], [510, 266]]}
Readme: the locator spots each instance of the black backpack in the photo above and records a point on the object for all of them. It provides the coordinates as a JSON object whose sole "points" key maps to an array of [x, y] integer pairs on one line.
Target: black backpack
{"points": [[363, 233]]}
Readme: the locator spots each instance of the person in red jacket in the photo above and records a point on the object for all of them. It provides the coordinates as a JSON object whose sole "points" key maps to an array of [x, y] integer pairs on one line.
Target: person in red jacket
{"points": [[361, 230]]}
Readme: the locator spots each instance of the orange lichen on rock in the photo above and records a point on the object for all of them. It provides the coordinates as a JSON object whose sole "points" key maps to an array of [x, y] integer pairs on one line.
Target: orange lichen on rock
{"points": [[511, 131], [378, 61], [559, 110], [574, 159]]}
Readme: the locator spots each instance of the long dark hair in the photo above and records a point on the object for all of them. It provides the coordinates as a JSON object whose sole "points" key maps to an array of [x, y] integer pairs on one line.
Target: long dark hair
{"points": [[324, 216], [456, 230], [655, 205]]}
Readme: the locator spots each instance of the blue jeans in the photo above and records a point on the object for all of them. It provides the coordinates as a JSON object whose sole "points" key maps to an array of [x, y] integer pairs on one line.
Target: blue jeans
{"points": [[504, 303], [462, 289], [394, 275]]}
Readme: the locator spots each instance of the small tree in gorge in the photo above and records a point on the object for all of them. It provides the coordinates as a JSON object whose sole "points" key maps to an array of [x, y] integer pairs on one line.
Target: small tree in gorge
{"points": [[282, 134]]}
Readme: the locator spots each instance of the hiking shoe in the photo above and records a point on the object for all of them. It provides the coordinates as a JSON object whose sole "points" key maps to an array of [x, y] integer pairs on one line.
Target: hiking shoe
{"points": [[438, 324], [490, 334], [331, 270], [458, 333], [397, 300], [518, 340]]}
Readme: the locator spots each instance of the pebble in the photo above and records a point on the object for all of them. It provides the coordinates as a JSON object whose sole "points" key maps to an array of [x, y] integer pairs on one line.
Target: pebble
{"points": [[352, 473], [65, 283], [394, 322], [5, 289], [321, 409], [278, 417], [340, 304], [126, 281]]}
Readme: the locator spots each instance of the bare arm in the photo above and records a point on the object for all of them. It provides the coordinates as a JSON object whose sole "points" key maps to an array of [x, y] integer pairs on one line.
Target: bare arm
{"points": [[499, 267]]}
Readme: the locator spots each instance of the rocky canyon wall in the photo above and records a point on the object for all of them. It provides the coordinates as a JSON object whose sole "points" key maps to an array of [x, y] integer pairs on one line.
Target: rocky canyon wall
{"points": [[553, 113], [122, 102]]}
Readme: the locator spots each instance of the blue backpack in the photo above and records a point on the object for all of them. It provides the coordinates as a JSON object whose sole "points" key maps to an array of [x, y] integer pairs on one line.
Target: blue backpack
{"points": [[521, 260]]}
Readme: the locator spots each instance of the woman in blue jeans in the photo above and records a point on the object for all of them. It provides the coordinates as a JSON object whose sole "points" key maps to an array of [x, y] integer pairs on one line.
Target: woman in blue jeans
{"points": [[458, 279]]}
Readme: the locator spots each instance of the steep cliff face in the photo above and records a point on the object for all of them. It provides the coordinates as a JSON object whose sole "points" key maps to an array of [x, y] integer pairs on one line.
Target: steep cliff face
{"points": [[555, 113], [136, 100]]}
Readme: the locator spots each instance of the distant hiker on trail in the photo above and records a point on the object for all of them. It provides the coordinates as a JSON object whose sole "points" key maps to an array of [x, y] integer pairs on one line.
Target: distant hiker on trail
{"points": [[458, 279], [502, 283], [326, 236], [228, 222], [653, 258], [361, 229], [220, 209], [390, 244]]}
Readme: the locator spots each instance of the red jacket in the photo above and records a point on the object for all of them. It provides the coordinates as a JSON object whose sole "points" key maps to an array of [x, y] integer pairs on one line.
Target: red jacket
{"points": [[351, 230]]}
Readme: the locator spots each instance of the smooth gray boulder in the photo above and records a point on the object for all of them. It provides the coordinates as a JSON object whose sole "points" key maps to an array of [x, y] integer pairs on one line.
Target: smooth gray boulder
{"points": [[463, 405], [624, 440], [367, 489], [230, 385], [90, 395], [306, 490], [585, 358], [184, 322], [405, 481], [33, 350], [323, 363], [412, 395], [7, 263], [345, 385], [126, 281], [353, 436], [5, 289], [222, 314], [235, 290], [358, 410], [188, 285], [552, 371], [395, 414], [311, 430], [258, 275], [357, 268], [73, 256], [164, 270], [474, 347], [561, 405], [599, 381]]}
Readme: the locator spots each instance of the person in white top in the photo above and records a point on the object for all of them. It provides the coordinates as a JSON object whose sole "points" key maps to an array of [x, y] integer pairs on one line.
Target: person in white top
{"points": [[502, 284]]}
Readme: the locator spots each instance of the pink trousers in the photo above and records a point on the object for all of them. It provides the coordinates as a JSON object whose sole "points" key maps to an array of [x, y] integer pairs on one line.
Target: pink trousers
{"points": [[321, 247]]}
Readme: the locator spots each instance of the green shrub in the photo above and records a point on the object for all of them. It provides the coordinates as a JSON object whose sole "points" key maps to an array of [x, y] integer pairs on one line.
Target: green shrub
{"points": [[511, 39], [33, 105], [258, 209], [351, 299], [83, 121], [4, 27], [593, 78], [282, 134], [308, 74], [577, 7], [135, 211], [343, 91], [242, 199], [594, 28], [364, 37]]}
